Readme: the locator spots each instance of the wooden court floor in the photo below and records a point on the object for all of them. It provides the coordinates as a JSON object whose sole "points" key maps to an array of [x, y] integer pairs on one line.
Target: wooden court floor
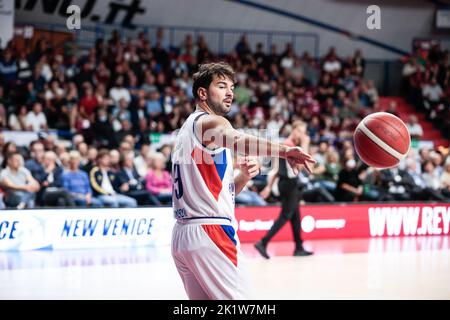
{"points": [[384, 268]]}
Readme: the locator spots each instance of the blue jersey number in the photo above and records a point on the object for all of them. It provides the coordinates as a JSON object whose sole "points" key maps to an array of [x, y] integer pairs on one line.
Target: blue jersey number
{"points": [[178, 184]]}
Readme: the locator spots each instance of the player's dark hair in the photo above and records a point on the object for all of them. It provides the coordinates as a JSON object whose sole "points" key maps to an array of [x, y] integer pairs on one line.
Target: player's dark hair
{"points": [[206, 72]]}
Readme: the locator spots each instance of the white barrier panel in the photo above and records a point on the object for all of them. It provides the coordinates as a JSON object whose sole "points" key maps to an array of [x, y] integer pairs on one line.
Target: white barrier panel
{"points": [[85, 228]]}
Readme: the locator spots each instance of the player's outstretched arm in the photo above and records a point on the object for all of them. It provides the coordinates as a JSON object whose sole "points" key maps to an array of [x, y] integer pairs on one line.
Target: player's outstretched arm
{"points": [[216, 131]]}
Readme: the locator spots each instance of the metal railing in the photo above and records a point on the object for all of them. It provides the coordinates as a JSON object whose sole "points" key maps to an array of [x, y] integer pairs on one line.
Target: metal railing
{"points": [[220, 41]]}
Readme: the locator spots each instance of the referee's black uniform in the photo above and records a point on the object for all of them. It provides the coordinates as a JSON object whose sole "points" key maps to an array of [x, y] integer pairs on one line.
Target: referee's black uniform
{"points": [[290, 197]]}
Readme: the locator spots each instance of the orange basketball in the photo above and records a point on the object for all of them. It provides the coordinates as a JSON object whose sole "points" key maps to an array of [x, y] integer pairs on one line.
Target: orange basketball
{"points": [[382, 140]]}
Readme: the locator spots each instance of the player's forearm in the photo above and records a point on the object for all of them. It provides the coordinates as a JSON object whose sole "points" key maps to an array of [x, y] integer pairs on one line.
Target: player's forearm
{"points": [[253, 146]]}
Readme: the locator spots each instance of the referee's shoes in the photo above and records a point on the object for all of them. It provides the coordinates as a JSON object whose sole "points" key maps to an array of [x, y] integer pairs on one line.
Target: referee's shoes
{"points": [[301, 252]]}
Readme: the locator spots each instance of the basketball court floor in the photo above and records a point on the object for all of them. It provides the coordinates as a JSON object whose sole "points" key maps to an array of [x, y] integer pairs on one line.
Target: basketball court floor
{"points": [[382, 268]]}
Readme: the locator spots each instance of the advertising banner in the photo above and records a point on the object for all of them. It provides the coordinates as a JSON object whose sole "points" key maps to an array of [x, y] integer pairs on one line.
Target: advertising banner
{"points": [[85, 228], [349, 221], [119, 227]]}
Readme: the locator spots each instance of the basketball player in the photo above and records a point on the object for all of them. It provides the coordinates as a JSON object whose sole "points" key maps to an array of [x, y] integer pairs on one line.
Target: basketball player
{"points": [[205, 246]]}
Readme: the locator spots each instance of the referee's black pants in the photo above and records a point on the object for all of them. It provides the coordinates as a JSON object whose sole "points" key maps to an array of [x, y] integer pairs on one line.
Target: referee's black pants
{"points": [[290, 196]]}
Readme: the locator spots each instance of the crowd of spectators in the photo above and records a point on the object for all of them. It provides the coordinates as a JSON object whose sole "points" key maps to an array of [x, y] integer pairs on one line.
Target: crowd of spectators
{"points": [[426, 82], [109, 100]]}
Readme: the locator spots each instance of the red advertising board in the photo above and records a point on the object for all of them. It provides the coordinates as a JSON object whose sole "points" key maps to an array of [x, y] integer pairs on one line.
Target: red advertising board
{"points": [[349, 221]]}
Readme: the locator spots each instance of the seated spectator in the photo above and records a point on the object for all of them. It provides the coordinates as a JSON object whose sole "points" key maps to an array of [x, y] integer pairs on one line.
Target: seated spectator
{"points": [[104, 183], [36, 120], [313, 191], [36, 166], [88, 104], [432, 93], [119, 91], [158, 180], [77, 183], [53, 192], [131, 184], [332, 169], [445, 180], [17, 122], [349, 185], [416, 185], [8, 69], [430, 175], [392, 108], [18, 183], [140, 162], [393, 180], [414, 127], [8, 147]]}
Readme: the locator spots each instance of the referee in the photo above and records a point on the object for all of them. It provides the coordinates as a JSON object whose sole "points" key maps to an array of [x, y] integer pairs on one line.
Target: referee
{"points": [[290, 195]]}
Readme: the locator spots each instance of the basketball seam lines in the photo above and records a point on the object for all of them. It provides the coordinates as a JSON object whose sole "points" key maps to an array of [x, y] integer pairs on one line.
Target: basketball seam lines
{"points": [[380, 142], [393, 127]]}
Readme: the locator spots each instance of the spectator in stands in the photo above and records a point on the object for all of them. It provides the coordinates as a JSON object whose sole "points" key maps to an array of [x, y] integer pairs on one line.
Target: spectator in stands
{"points": [[242, 48], [433, 95], [158, 180], [17, 122], [445, 180], [119, 91], [53, 192], [162, 38], [83, 149], [416, 184], [36, 161], [131, 184], [372, 92], [414, 127], [392, 108], [114, 162], [36, 167], [325, 89], [8, 147], [76, 182], [91, 159], [154, 106], [140, 162], [349, 185], [102, 127], [8, 70], [88, 104], [36, 120], [359, 63], [104, 183], [120, 114], [18, 183], [394, 182], [312, 190], [430, 175], [331, 63]]}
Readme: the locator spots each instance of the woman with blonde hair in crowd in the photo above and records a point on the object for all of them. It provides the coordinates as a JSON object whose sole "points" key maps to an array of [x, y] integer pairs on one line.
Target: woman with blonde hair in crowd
{"points": [[158, 180]]}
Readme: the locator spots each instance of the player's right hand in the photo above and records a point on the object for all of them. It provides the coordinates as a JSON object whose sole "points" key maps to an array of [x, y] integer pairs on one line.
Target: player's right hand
{"points": [[298, 159]]}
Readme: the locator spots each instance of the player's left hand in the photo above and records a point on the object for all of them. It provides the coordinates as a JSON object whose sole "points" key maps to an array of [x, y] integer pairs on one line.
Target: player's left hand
{"points": [[249, 167]]}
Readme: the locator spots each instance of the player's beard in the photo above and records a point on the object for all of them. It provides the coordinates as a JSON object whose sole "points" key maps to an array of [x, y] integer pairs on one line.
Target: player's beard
{"points": [[219, 108]]}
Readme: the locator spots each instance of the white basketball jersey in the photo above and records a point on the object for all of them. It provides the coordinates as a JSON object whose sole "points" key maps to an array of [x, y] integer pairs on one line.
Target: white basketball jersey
{"points": [[203, 182]]}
